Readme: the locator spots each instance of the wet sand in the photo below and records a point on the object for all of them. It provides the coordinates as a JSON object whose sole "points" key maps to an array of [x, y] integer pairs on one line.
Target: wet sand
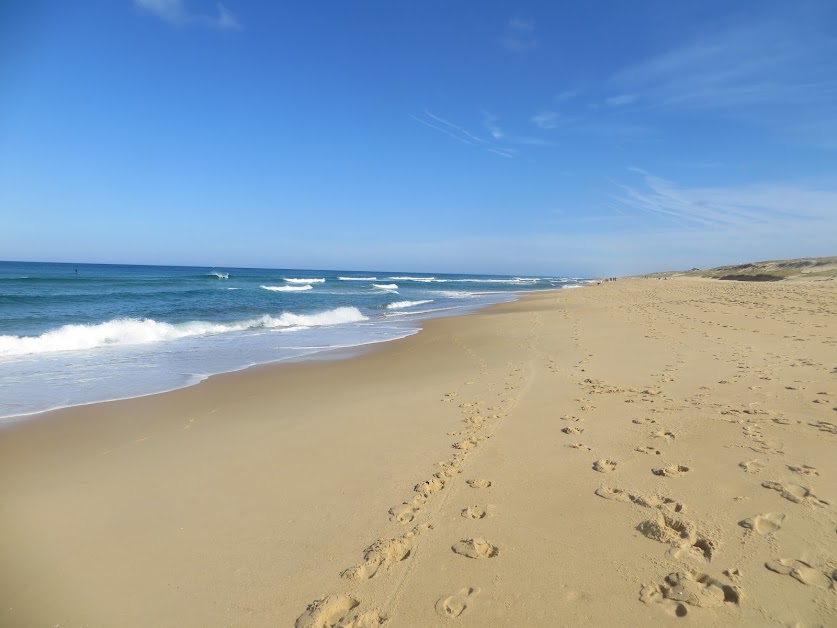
{"points": [[636, 453]]}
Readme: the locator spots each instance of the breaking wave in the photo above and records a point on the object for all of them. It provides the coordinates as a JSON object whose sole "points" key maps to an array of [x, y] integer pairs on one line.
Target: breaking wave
{"points": [[287, 288], [134, 331], [301, 280], [400, 305], [358, 278]]}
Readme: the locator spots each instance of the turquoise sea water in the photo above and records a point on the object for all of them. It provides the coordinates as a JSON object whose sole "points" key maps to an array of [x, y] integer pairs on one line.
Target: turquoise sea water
{"points": [[72, 334]]}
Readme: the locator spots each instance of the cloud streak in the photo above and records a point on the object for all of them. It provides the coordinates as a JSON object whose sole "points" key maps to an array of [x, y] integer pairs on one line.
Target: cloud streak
{"points": [[175, 13], [761, 208], [460, 134], [759, 63]]}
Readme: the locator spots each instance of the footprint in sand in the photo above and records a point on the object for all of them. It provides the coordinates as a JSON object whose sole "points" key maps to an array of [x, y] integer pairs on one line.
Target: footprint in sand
{"points": [[569, 417], [796, 493], [456, 604], [429, 487], [479, 483], [680, 534], [752, 466], [765, 523], [646, 501], [671, 471], [801, 571], [648, 449], [384, 553], [580, 446], [572, 430], [475, 548], [338, 611], [803, 469], [465, 445], [669, 436], [604, 466], [475, 512], [825, 426], [404, 513], [681, 589]]}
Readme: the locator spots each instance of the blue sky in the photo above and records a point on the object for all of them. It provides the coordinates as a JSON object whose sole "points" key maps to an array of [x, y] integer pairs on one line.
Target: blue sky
{"points": [[600, 138]]}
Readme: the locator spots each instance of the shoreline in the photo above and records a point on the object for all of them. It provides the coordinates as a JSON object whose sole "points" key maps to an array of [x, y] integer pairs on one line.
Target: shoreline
{"points": [[316, 354], [457, 472]]}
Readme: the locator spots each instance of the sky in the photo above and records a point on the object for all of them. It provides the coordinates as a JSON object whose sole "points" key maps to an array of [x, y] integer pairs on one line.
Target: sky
{"points": [[542, 138]]}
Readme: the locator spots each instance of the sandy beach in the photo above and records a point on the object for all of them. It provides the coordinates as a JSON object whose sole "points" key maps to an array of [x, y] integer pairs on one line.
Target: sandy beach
{"points": [[642, 452]]}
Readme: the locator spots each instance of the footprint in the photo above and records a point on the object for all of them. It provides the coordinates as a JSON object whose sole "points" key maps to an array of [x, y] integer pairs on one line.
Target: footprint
{"points": [[572, 430], [796, 493], [765, 523], [569, 417], [669, 436], [383, 554], [604, 466], [671, 471], [404, 513], [475, 548], [475, 512], [429, 487], [580, 446], [752, 466], [338, 611], [466, 444], [648, 449], [646, 501], [681, 589], [457, 603], [825, 426], [801, 571], [803, 469], [479, 483], [679, 533], [476, 420]]}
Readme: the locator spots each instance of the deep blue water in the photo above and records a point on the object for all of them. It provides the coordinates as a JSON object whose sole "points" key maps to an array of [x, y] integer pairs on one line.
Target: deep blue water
{"points": [[78, 333]]}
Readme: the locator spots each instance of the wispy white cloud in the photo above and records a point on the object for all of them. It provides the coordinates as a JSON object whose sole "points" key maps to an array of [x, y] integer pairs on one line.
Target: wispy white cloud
{"points": [[760, 62], [547, 119], [772, 208], [460, 134], [490, 122], [175, 12], [519, 36]]}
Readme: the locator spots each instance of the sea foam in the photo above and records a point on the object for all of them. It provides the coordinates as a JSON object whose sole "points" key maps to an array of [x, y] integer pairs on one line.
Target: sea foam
{"points": [[400, 305], [287, 288], [302, 280], [385, 286], [358, 278], [133, 331], [215, 273]]}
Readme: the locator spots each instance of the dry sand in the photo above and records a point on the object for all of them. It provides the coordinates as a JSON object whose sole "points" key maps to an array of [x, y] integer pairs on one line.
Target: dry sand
{"points": [[637, 453]]}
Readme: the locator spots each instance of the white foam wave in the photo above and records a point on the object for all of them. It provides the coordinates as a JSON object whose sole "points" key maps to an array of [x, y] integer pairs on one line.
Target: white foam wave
{"points": [[215, 273], [385, 286], [571, 285], [419, 279], [133, 331], [400, 305], [287, 288], [302, 280], [358, 278]]}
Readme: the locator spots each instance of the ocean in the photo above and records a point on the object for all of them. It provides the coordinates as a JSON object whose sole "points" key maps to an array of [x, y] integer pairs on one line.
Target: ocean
{"points": [[73, 334]]}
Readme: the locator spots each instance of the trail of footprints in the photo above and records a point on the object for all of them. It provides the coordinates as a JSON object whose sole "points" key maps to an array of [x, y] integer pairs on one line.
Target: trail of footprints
{"points": [[691, 544], [386, 554]]}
